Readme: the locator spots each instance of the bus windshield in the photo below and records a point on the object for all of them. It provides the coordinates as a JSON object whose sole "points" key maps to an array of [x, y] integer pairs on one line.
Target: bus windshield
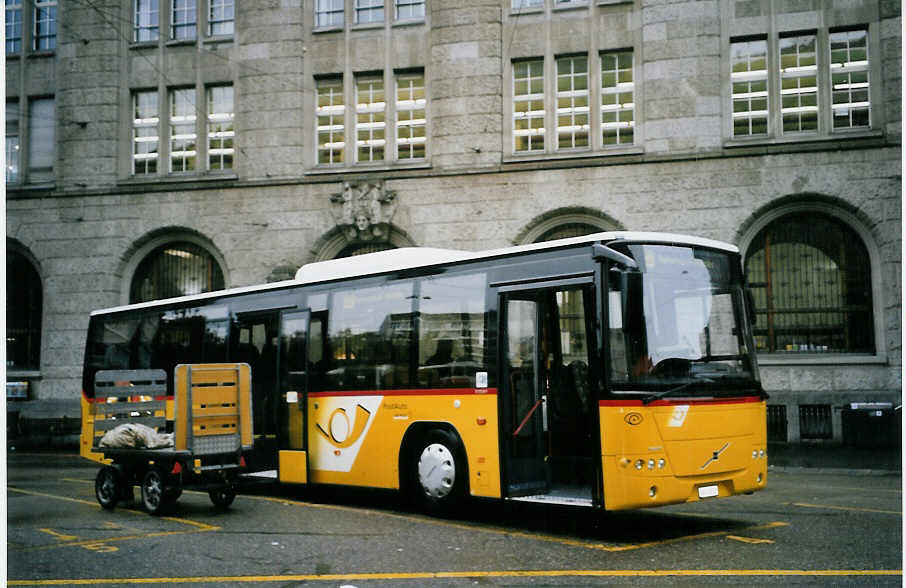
{"points": [[678, 324]]}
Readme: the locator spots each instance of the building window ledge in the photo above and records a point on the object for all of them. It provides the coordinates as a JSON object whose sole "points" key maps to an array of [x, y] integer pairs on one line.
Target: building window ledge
{"points": [[409, 22], [367, 168], [613, 152], [328, 29], [821, 359], [177, 179], [803, 140]]}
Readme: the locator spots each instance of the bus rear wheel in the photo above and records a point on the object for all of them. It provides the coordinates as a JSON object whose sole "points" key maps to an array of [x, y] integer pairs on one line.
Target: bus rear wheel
{"points": [[438, 471]]}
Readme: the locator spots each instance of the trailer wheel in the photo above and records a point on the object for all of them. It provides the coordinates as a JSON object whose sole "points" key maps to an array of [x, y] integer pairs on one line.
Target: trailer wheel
{"points": [[108, 487], [222, 497], [153, 491]]}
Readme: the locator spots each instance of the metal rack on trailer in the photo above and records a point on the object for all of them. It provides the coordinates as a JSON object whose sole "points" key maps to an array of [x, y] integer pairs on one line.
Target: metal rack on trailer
{"points": [[212, 426]]}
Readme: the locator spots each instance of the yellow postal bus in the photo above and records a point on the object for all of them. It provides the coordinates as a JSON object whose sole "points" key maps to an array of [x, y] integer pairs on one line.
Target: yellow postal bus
{"points": [[615, 370]]}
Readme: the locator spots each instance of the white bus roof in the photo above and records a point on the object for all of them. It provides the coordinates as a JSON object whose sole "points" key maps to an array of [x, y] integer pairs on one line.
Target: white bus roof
{"points": [[413, 257]]}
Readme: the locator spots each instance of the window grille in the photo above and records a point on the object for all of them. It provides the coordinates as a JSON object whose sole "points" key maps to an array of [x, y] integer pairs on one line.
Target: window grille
{"points": [[777, 423], [528, 106], [617, 98], [175, 269], [849, 79], [810, 277], [749, 79], [799, 84], [23, 314], [572, 102], [568, 230], [815, 421]]}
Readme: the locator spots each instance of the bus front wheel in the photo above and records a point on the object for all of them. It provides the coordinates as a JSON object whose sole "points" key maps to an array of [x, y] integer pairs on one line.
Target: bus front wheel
{"points": [[438, 471]]}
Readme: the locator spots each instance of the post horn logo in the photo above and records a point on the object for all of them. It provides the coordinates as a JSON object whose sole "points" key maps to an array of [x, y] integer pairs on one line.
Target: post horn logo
{"points": [[633, 418], [339, 433]]}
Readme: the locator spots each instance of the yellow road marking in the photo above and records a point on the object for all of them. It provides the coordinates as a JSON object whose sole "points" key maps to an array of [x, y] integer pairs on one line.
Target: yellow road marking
{"points": [[59, 536], [852, 508], [752, 540], [463, 574], [503, 531], [96, 544]]}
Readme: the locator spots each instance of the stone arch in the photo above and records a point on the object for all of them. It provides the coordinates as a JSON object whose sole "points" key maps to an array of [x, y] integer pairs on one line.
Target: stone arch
{"points": [[845, 214], [25, 321], [142, 247], [550, 220], [333, 242]]}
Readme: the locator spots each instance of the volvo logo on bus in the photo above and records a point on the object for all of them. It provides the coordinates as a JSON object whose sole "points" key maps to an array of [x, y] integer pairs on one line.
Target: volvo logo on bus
{"points": [[716, 455]]}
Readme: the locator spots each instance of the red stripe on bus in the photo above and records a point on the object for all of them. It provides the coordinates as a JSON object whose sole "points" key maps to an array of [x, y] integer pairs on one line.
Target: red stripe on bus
{"points": [[676, 401], [412, 392]]}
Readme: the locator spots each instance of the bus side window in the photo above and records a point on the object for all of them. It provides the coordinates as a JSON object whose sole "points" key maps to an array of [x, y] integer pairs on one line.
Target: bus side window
{"points": [[317, 352]]}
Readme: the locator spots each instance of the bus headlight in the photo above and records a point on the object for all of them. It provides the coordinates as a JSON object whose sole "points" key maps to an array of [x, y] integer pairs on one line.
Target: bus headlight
{"points": [[639, 464], [661, 463]]}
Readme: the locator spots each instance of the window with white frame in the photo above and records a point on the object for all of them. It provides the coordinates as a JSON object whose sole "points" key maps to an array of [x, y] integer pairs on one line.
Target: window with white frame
{"points": [[749, 80], [850, 79], [182, 20], [12, 142], [369, 11], [221, 16], [617, 98], [330, 112], [781, 86], [519, 4], [45, 25], [41, 140], [145, 132], [329, 13], [572, 102], [799, 83], [13, 27], [146, 24], [410, 9], [370, 122], [220, 127], [410, 116], [528, 106], [182, 130]]}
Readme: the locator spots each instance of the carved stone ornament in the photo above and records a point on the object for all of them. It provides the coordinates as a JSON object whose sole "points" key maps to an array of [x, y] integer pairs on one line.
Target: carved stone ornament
{"points": [[363, 211]]}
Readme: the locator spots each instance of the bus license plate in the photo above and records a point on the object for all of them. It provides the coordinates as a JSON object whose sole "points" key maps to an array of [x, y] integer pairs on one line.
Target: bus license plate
{"points": [[707, 491]]}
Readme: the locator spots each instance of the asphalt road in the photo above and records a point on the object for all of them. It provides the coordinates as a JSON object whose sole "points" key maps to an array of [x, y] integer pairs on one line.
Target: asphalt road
{"points": [[806, 528]]}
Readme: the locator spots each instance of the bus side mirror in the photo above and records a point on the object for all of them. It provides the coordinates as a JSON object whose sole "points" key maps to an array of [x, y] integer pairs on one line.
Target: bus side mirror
{"points": [[750, 307]]}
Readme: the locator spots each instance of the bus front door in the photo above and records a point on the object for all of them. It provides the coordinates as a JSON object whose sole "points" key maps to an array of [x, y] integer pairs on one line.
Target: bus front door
{"points": [[549, 423], [293, 458]]}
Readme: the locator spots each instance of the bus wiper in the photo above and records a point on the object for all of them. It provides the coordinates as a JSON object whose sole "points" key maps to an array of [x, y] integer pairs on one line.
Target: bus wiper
{"points": [[652, 397]]}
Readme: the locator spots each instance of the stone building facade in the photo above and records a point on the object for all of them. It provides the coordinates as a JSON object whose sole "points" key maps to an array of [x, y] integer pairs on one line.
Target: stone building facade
{"points": [[259, 136]]}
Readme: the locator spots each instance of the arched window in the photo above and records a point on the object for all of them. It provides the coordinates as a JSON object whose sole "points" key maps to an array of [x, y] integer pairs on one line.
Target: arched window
{"points": [[23, 313], [811, 278], [568, 230], [175, 269], [354, 249]]}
